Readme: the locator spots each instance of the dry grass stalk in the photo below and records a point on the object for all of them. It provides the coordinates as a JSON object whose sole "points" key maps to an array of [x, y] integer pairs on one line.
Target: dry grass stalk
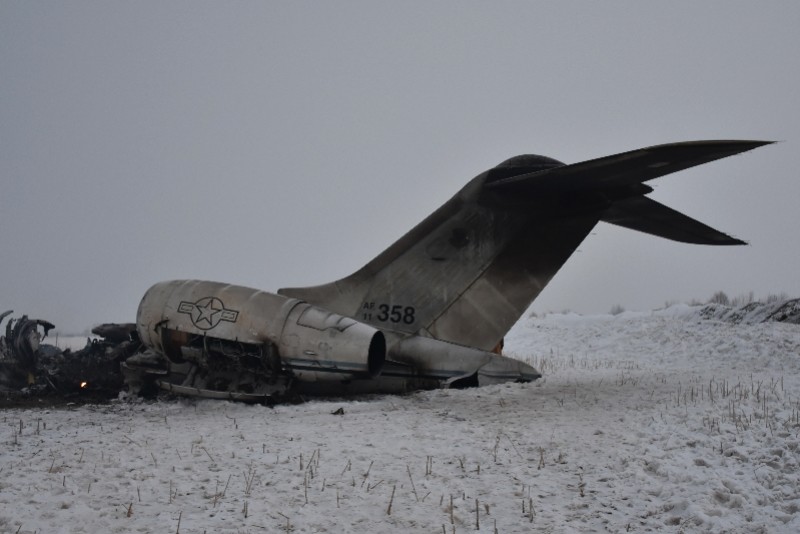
{"points": [[249, 477], [391, 500], [452, 519], [225, 491], [366, 475], [413, 488], [288, 525]]}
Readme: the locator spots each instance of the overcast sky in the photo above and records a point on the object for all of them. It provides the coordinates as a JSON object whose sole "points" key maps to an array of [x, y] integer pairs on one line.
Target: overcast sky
{"points": [[276, 144]]}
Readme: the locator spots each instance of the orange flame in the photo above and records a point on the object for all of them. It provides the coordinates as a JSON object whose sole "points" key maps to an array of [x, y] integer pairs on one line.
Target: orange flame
{"points": [[84, 384]]}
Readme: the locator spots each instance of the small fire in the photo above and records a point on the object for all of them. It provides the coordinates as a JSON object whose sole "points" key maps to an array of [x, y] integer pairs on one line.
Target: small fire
{"points": [[84, 384]]}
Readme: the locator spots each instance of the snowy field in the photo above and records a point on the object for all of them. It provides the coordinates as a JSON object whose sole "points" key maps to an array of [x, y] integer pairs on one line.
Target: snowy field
{"points": [[661, 421]]}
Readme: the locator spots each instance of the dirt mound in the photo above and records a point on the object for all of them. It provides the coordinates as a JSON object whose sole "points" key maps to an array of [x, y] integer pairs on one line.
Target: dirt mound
{"points": [[786, 311]]}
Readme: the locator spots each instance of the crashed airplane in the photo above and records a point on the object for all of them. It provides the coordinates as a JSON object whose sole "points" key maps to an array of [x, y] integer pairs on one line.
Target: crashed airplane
{"points": [[429, 311]]}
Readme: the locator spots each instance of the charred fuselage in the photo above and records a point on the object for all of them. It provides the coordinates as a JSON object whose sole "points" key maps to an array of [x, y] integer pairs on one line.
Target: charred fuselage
{"points": [[220, 340]]}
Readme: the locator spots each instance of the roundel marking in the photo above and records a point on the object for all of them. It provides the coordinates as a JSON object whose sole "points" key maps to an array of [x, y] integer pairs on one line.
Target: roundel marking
{"points": [[207, 312]]}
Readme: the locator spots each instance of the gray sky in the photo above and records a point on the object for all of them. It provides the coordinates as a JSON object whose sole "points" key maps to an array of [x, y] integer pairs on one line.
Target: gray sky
{"points": [[275, 144]]}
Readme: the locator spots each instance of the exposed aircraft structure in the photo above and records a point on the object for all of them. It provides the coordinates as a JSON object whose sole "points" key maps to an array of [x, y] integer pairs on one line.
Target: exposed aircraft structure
{"points": [[31, 367], [427, 311]]}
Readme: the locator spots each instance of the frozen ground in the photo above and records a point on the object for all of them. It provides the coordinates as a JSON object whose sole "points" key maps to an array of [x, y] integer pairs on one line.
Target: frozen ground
{"points": [[662, 421]]}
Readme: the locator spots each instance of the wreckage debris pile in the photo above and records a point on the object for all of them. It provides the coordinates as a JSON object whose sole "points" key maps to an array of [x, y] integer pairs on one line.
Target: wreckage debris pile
{"points": [[29, 367]]}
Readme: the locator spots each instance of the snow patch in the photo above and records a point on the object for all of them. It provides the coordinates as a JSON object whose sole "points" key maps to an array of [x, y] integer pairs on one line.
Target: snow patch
{"points": [[656, 421]]}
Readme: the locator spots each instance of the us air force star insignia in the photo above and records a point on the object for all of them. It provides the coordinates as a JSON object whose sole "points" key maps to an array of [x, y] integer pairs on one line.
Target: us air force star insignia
{"points": [[207, 312]]}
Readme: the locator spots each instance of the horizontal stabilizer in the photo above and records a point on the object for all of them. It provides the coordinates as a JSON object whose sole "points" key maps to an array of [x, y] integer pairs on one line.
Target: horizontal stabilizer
{"points": [[620, 170], [651, 217]]}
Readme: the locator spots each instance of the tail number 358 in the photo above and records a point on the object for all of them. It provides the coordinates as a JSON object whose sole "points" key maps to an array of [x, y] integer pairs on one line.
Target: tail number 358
{"points": [[385, 313]]}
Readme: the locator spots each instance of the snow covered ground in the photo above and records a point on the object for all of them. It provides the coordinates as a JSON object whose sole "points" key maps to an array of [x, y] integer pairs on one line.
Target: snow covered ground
{"points": [[661, 421]]}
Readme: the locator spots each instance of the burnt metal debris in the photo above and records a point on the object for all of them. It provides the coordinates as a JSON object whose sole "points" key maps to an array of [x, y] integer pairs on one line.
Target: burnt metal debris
{"points": [[29, 367]]}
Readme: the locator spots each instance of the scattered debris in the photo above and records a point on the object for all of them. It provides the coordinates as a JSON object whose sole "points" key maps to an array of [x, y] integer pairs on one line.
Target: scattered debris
{"points": [[22, 339], [29, 367]]}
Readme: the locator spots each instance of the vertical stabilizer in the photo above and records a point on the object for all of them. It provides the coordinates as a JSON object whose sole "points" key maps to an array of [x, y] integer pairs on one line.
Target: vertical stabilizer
{"points": [[469, 270]]}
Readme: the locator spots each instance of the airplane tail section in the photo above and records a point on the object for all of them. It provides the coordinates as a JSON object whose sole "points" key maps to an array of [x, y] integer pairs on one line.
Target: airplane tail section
{"points": [[469, 270]]}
